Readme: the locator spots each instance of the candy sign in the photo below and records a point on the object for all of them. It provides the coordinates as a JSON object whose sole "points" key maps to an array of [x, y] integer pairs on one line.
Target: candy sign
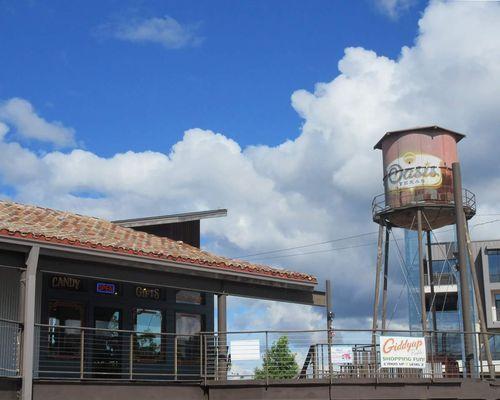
{"points": [[402, 352]]}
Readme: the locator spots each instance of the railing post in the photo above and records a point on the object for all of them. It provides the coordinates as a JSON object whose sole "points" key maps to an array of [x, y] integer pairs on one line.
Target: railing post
{"points": [[82, 352], [266, 364], [201, 355], [206, 361], [131, 358], [175, 357]]}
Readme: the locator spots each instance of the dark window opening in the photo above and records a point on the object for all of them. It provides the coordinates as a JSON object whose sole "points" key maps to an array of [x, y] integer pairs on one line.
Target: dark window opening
{"points": [[187, 328], [148, 339], [106, 340], [64, 320], [442, 301]]}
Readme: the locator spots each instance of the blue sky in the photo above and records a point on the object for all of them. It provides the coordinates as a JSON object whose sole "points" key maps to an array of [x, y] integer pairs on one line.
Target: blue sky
{"points": [[268, 108], [120, 95]]}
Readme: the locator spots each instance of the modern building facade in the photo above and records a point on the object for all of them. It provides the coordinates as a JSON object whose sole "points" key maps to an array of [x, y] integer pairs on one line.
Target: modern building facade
{"points": [[486, 254]]}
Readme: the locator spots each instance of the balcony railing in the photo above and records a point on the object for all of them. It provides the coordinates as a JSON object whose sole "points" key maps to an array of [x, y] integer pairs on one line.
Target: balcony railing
{"points": [[441, 279], [70, 352], [10, 345]]}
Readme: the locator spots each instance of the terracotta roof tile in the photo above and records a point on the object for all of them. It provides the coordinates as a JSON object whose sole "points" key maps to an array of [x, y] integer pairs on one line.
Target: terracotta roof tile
{"points": [[44, 224]]}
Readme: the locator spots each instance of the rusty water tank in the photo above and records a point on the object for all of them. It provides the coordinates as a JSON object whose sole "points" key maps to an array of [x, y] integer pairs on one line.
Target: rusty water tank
{"points": [[418, 175]]}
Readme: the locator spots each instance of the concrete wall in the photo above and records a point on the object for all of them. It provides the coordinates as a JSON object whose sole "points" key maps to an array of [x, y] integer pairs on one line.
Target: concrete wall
{"points": [[293, 390]]}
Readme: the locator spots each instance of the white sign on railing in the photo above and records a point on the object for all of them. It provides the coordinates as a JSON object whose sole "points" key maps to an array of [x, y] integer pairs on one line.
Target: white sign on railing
{"points": [[245, 350], [342, 355], [402, 352]]}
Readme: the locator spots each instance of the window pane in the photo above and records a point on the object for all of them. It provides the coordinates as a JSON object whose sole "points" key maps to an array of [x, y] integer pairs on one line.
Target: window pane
{"points": [[63, 334], [189, 325], [148, 324], [107, 343], [189, 297], [494, 264]]}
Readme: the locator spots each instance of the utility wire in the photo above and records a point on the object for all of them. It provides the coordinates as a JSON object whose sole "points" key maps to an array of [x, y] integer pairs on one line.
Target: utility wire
{"points": [[255, 255], [308, 245]]}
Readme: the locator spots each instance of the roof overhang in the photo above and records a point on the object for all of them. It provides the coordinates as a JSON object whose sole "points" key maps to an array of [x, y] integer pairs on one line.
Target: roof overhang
{"points": [[172, 218], [179, 275]]}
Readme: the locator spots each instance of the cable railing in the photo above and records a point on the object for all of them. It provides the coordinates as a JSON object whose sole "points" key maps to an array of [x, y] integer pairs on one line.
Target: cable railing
{"points": [[10, 347], [73, 352]]}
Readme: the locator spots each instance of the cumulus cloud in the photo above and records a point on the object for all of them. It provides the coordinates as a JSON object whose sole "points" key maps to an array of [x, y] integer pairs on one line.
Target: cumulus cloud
{"points": [[20, 114], [316, 187], [160, 30], [394, 8]]}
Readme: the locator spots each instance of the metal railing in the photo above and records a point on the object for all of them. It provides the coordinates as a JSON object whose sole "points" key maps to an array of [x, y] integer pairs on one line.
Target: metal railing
{"points": [[421, 196], [92, 353], [70, 352], [10, 347], [441, 279]]}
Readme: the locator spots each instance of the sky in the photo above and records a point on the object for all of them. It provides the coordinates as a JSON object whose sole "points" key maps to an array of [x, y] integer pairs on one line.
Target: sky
{"points": [[123, 109]]}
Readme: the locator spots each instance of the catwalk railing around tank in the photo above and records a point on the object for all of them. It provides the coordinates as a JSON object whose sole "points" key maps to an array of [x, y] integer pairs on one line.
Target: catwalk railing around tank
{"points": [[72, 352], [10, 347], [443, 196]]}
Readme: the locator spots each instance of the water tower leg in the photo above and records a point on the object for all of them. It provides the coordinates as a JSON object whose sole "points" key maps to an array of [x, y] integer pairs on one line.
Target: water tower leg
{"points": [[423, 310], [462, 268], [480, 309], [431, 283], [386, 274], [377, 293]]}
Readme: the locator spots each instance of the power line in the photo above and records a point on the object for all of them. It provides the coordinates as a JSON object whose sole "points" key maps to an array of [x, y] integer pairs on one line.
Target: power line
{"points": [[308, 245], [254, 256]]}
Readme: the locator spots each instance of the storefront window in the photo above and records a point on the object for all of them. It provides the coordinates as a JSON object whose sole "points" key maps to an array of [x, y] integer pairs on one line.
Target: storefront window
{"points": [[147, 324], [107, 342], [187, 327], [63, 334], [189, 297]]}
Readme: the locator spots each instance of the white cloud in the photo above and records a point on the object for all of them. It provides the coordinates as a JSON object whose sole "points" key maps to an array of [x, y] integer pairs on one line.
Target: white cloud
{"points": [[394, 8], [318, 186], [20, 114], [164, 30]]}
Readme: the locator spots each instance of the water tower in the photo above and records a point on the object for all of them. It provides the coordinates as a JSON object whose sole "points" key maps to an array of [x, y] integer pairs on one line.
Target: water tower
{"points": [[423, 192]]}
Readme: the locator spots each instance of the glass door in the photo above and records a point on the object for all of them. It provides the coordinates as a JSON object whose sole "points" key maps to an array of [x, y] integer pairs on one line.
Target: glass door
{"points": [[107, 342]]}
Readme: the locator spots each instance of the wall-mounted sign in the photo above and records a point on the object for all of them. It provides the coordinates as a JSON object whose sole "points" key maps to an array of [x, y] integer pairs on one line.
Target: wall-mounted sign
{"points": [[342, 355], [66, 282], [245, 350], [147, 292], [402, 352], [105, 288]]}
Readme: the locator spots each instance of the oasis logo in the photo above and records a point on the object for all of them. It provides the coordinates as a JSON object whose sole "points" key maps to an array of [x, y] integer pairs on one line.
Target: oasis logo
{"points": [[66, 282], [412, 170]]}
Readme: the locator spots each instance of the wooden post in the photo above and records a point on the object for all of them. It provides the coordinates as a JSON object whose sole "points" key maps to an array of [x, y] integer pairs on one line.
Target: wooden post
{"points": [[29, 323], [462, 265], [386, 275], [377, 292], [423, 310]]}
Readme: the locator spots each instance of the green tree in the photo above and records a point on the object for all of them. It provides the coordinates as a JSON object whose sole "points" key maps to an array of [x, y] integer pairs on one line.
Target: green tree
{"points": [[279, 362]]}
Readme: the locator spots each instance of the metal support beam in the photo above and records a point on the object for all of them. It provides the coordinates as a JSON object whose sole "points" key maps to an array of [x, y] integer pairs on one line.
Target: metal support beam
{"points": [[462, 268], [377, 290], [423, 310], [329, 326], [430, 274], [386, 275], [29, 323], [480, 309], [221, 332]]}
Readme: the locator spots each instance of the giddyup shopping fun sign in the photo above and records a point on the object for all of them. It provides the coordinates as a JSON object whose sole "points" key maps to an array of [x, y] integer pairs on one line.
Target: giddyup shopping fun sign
{"points": [[402, 352]]}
